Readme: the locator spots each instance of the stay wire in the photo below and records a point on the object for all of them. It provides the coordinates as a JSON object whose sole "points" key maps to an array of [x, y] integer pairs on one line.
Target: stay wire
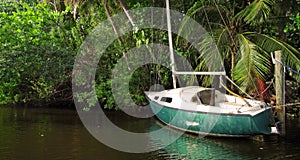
{"points": [[289, 69]]}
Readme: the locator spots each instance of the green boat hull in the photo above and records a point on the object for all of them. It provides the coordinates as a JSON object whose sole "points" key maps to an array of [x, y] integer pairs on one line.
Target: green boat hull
{"points": [[215, 124]]}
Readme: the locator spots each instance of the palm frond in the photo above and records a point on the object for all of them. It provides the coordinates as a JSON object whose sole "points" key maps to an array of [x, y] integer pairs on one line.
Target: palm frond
{"points": [[209, 60], [206, 13], [257, 12], [253, 65], [269, 44], [223, 41]]}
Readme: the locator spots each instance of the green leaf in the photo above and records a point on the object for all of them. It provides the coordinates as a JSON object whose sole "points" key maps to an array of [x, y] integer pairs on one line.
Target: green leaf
{"points": [[254, 64], [257, 12]]}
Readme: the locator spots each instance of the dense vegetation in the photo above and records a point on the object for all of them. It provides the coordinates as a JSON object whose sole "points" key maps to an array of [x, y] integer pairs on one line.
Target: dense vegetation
{"points": [[40, 39]]}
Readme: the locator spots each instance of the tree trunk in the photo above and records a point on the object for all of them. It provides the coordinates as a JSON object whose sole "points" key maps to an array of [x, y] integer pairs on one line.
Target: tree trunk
{"points": [[116, 31], [124, 7], [112, 23]]}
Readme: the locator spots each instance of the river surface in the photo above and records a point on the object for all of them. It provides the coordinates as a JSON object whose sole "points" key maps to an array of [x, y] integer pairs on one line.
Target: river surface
{"points": [[52, 133]]}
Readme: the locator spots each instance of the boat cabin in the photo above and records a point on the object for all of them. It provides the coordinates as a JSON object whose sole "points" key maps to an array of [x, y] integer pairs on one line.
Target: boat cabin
{"points": [[205, 97]]}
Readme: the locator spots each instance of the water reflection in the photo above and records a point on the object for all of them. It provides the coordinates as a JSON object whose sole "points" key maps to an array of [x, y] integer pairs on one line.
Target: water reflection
{"points": [[194, 147], [43, 133]]}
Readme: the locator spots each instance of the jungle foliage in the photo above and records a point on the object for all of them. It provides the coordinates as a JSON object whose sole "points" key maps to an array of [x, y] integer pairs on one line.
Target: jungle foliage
{"points": [[40, 39]]}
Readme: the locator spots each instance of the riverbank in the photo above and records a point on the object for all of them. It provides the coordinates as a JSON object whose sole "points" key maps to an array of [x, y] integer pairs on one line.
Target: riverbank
{"points": [[292, 98]]}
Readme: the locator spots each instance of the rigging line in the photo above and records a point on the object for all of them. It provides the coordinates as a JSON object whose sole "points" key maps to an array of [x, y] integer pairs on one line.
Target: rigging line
{"points": [[289, 104], [283, 65], [287, 67], [272, 81], [231, 92], [238, 87]]}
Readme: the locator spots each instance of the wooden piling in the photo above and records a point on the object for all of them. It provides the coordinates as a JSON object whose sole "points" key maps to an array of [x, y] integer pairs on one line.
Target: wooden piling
{"points": [[280, 89]]}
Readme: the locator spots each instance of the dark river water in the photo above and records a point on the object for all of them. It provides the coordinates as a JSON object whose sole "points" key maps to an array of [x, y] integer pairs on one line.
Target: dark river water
{"points": [[51, 133]]}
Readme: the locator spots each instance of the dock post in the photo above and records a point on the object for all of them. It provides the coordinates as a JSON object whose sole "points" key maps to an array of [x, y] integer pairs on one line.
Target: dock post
{"points": [[280, 89]]}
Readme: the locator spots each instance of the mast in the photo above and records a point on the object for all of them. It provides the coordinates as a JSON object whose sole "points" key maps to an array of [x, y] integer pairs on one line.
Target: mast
{"points": [[170, 43], [174, 72]]}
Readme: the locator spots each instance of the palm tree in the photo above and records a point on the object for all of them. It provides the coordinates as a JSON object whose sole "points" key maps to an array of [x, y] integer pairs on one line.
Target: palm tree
{"points": [[236, 27]]}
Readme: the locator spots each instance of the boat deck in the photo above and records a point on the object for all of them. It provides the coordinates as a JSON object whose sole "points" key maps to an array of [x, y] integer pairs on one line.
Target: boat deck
{"points": [[200, 99]]}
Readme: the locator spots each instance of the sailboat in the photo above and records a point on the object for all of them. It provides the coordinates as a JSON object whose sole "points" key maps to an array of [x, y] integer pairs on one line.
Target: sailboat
{"points": [[207, 111]]}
